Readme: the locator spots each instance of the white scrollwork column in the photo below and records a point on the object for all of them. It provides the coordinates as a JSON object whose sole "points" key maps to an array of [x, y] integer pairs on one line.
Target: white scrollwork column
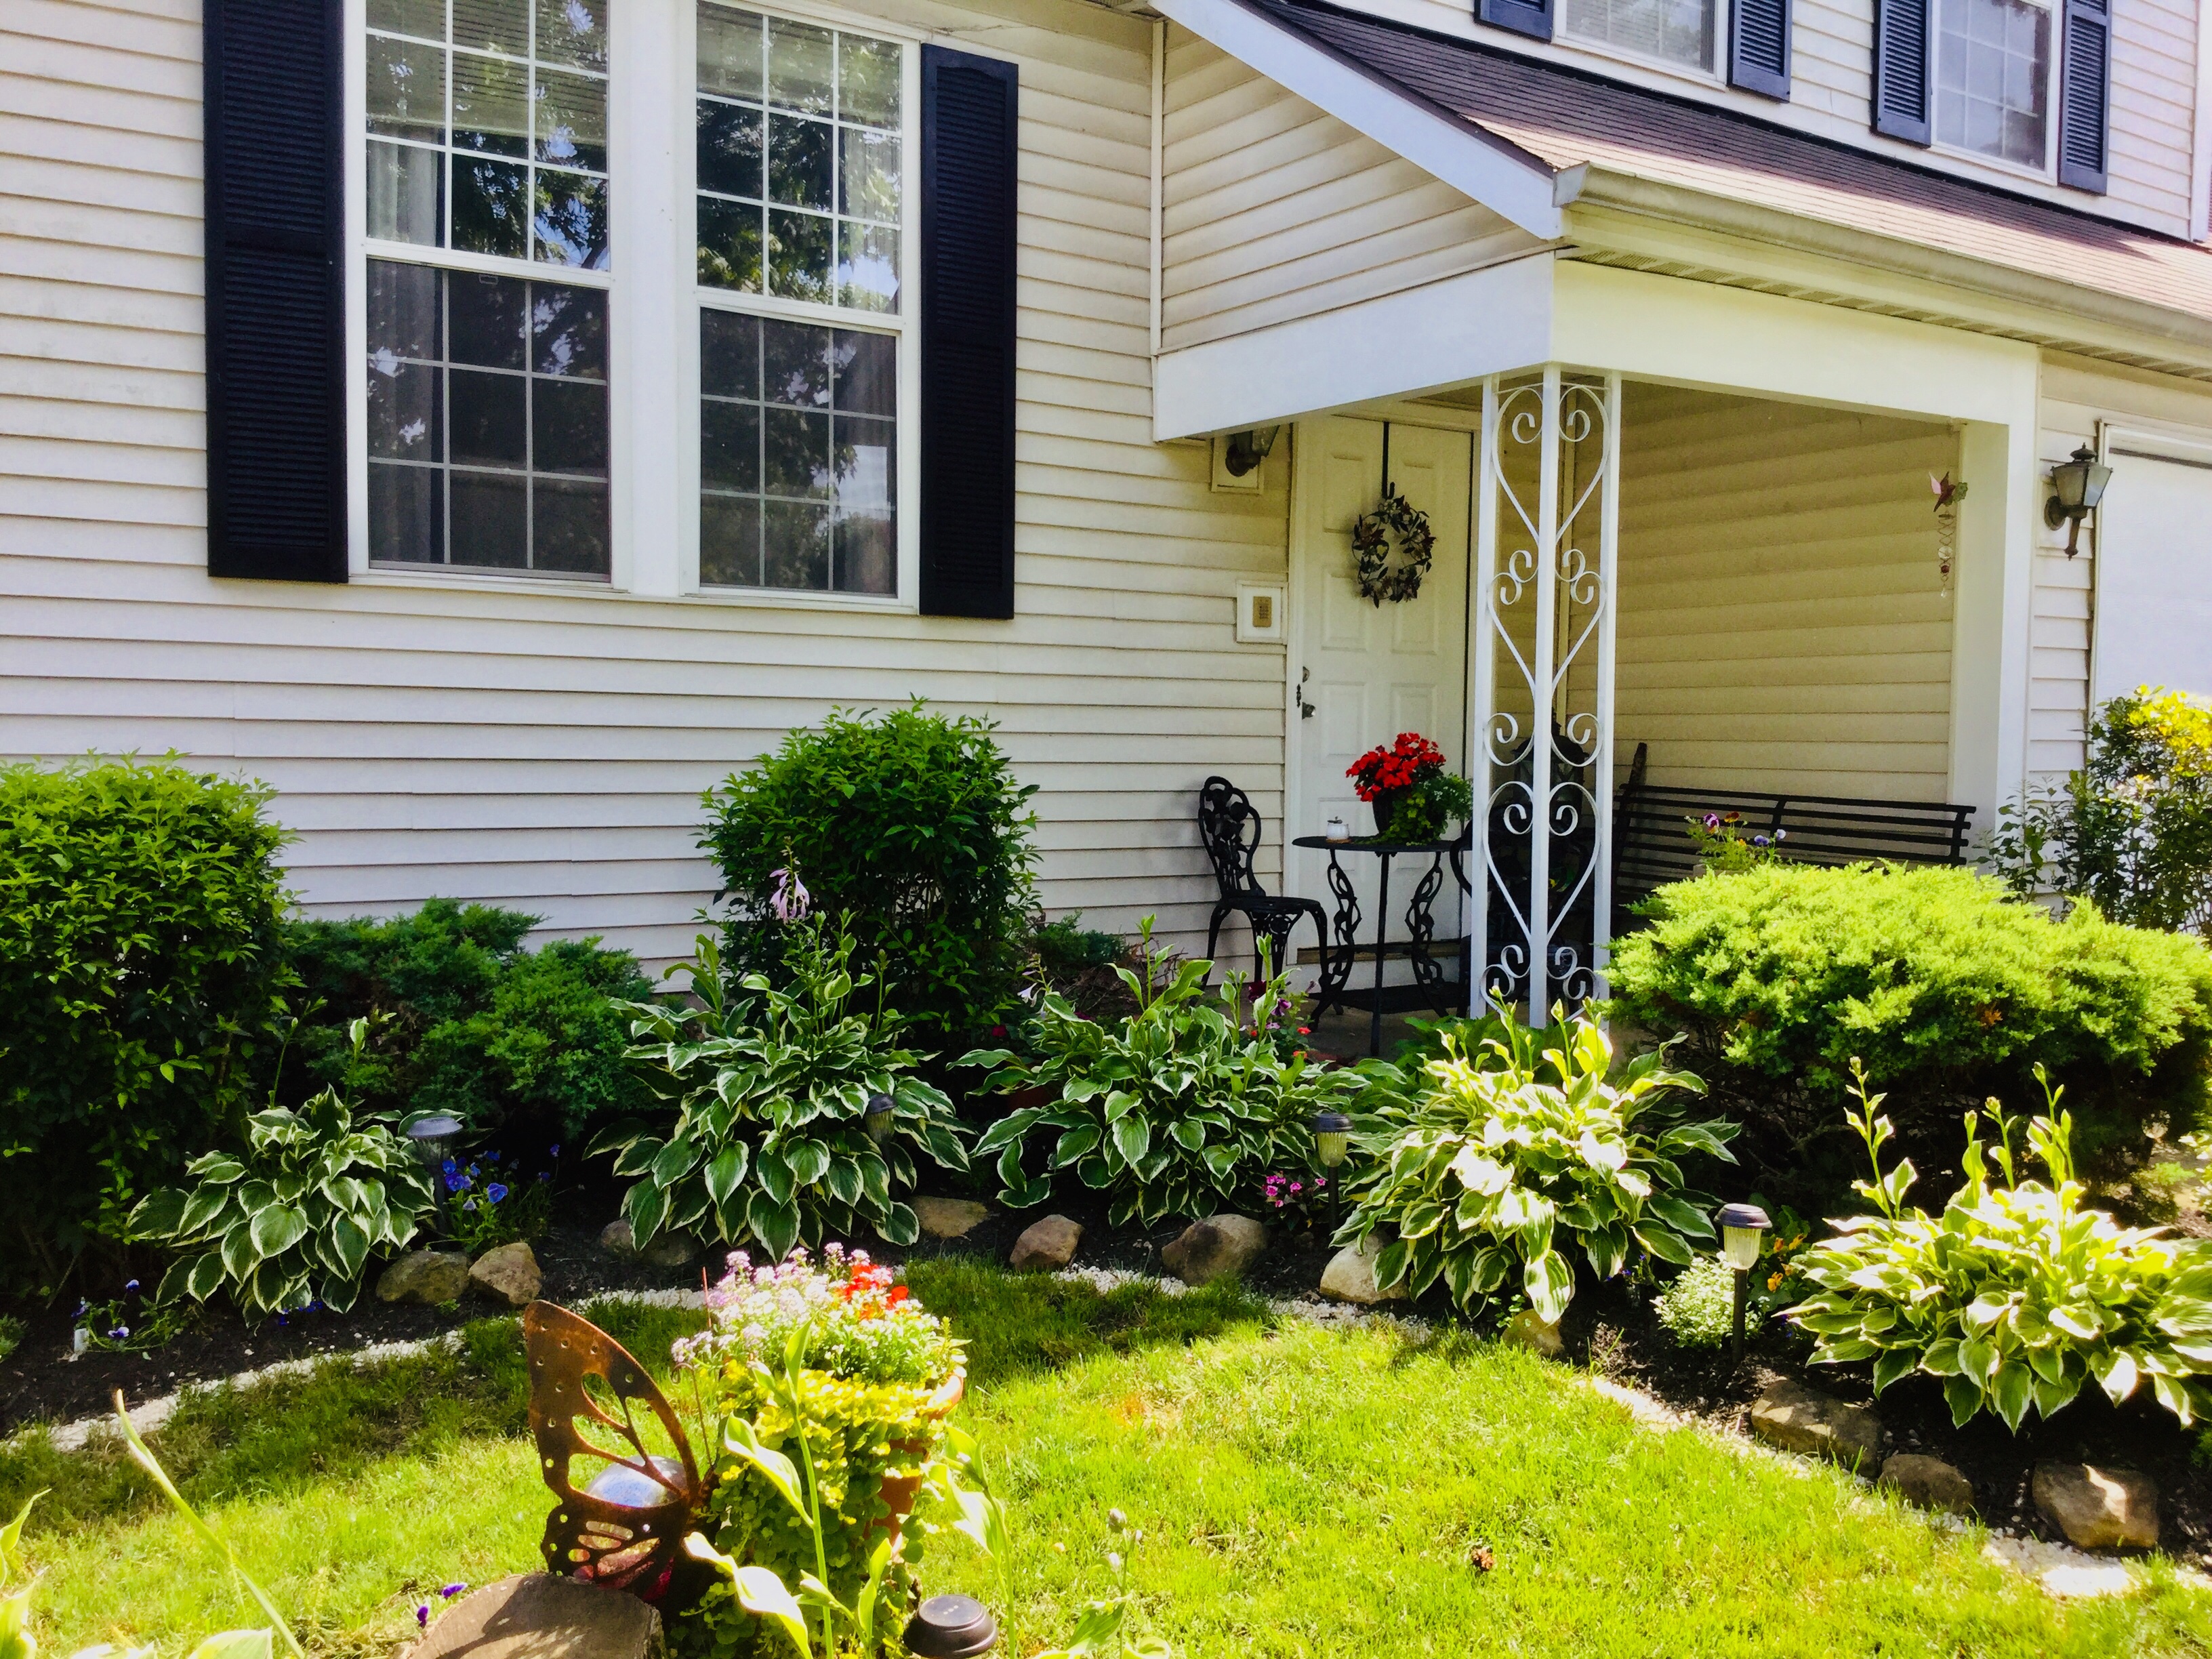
{"points": [[1543, 652]]}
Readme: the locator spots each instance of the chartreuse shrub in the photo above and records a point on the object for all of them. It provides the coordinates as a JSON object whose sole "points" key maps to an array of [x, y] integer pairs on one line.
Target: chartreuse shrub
{"points": [[295, 1218], [1170, 1112], [523, 1045], [1947, 987], [2015, 1295], [141, 983], [909, 825], [1510, 1157], [771, 1088], [2131, 831]]}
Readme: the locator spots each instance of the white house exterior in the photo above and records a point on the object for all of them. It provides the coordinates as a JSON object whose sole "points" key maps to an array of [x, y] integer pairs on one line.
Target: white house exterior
{"points": [[573, 559]]}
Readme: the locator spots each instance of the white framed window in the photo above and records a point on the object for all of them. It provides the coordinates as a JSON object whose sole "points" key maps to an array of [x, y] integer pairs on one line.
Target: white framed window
{"points": [[804, 208], [483, 417], [1993, 79], [1680, 33]]}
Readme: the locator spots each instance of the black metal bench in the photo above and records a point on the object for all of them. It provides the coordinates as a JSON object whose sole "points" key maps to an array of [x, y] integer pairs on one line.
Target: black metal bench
{"points": [[1651, 844]]}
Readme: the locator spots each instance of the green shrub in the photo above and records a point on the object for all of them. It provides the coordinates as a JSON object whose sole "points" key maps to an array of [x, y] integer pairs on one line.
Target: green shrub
{"points": [[525, 1045], [1066, 946], [2131, 831], [1949, 988], [1177, 1110], [910, 826], [771, 1089], [1510, 1154], [2017, 1295], [1699, 1308], [296, 1218], [142, 982]]}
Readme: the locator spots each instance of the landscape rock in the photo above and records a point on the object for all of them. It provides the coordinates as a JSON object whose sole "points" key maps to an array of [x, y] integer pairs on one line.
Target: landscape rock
{"points": [[429, 1276], [1802, 1419], [1216, 1248], [669, 1251], [536, 1615], [949, 1218], [1929, 1482], [1350, 1276], [1047, 1245], [507, 1275], [2098, 1508], [1526, 1330]]}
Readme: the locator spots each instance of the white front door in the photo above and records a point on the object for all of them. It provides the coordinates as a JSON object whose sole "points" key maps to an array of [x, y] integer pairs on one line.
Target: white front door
{"points": [[1369, 672]]}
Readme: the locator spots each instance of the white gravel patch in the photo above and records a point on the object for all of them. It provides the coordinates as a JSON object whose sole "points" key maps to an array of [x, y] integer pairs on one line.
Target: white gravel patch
{"points": [[2064, 1570], [149, 1415]]}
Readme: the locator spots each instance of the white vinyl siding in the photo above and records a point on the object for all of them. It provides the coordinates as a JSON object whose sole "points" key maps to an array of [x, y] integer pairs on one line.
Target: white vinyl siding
{"points": [[1782, 626], [2078, 397], [498, 741], [1273, 210]]}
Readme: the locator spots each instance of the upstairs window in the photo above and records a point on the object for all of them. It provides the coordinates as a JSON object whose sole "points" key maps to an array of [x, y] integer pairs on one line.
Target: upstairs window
{"points": [[1671, 31], [1993, 79]]}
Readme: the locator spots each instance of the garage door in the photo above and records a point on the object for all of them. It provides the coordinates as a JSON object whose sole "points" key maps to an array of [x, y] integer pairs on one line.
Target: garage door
{"points": [[2154, 611]]}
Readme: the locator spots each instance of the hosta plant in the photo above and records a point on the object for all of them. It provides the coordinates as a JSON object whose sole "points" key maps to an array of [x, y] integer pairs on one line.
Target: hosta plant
{"points": [[1172, 1111], [2015, 1295], [1512, 1157], [771, 1091], [296, 1216]]}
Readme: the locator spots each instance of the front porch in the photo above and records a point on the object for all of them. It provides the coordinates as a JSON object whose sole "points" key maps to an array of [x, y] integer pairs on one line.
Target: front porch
{"points": [[1721, 588]]}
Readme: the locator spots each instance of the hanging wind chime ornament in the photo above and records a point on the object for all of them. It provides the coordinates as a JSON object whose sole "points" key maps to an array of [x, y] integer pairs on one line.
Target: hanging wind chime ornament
{"points": [[1948, 494], [1379, 575]]}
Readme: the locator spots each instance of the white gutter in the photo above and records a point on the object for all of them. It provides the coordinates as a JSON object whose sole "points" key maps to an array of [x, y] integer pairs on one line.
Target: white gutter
{"points": [[1510, 182]]}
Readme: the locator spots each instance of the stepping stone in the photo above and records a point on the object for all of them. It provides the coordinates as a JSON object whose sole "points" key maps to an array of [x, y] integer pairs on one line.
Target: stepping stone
{"points": [[1215, 1249], [535, 1615], [1802, 1419]]}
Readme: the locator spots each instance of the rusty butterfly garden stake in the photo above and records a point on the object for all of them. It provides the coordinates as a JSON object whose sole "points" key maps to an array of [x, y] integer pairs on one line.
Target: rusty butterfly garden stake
{"points": [[624, 1528]]}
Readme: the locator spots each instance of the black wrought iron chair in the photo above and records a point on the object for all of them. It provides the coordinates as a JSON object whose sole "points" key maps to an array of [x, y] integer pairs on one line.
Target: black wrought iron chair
{"points": [[1230, 825]]}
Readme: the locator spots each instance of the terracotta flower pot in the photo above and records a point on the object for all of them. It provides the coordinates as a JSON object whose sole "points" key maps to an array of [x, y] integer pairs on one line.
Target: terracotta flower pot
{"points": [[898, 1492]]}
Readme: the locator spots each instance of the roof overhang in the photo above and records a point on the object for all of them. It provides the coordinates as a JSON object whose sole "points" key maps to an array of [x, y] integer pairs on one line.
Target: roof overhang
{"points": [[1516, 185]]}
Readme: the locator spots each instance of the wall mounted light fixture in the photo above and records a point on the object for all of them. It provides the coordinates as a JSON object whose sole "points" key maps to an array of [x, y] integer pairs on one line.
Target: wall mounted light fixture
{"points": [[1247, 449], [2076, 486]]}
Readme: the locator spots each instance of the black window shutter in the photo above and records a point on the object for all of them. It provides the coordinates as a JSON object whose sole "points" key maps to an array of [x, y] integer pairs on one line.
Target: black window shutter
{"points": [[1759, 47], [2085, 94], [1529, 17], [969, 110], [1904, 64], [275, 313]]}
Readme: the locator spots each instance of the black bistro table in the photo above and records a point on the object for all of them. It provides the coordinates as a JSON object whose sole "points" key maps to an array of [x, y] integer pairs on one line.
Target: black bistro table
{"points": [[1340, 954]]}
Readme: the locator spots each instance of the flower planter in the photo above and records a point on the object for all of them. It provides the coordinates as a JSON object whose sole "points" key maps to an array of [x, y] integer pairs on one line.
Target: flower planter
{"points": [[898, 1492], [1386, 807]]}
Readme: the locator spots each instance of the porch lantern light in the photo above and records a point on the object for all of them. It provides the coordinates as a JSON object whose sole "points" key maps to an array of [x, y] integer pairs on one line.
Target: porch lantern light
{"points": [[878, 1118], [1247, 449], [2076, 486], [952, 1627], [1744, 1227], [1331, 1132]]}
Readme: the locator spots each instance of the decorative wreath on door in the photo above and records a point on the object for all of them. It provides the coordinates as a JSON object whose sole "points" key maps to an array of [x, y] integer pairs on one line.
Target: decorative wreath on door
{"points": [[1381, 578]]}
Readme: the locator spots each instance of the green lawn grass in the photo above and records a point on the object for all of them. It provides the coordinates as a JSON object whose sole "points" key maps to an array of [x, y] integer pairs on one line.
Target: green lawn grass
{"points": [[1302, 1492]]}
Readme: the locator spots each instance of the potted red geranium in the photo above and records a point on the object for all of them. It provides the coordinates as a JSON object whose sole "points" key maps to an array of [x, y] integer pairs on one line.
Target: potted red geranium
{"points": [[1392, 780]]}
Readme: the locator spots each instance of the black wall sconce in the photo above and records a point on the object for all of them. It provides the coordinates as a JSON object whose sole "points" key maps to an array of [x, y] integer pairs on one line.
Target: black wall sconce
{"points": [[2076, 486], [1246, 450]]}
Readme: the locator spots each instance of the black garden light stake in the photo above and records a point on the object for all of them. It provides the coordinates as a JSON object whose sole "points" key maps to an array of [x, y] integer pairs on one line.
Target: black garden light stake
{"points": [[878, 1119], [433, 1139], [1332, 1133], [1743, 1227]]}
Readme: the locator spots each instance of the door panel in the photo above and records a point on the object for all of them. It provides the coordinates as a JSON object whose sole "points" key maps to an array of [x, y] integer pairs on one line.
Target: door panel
{"points": [[1373, 671]]}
